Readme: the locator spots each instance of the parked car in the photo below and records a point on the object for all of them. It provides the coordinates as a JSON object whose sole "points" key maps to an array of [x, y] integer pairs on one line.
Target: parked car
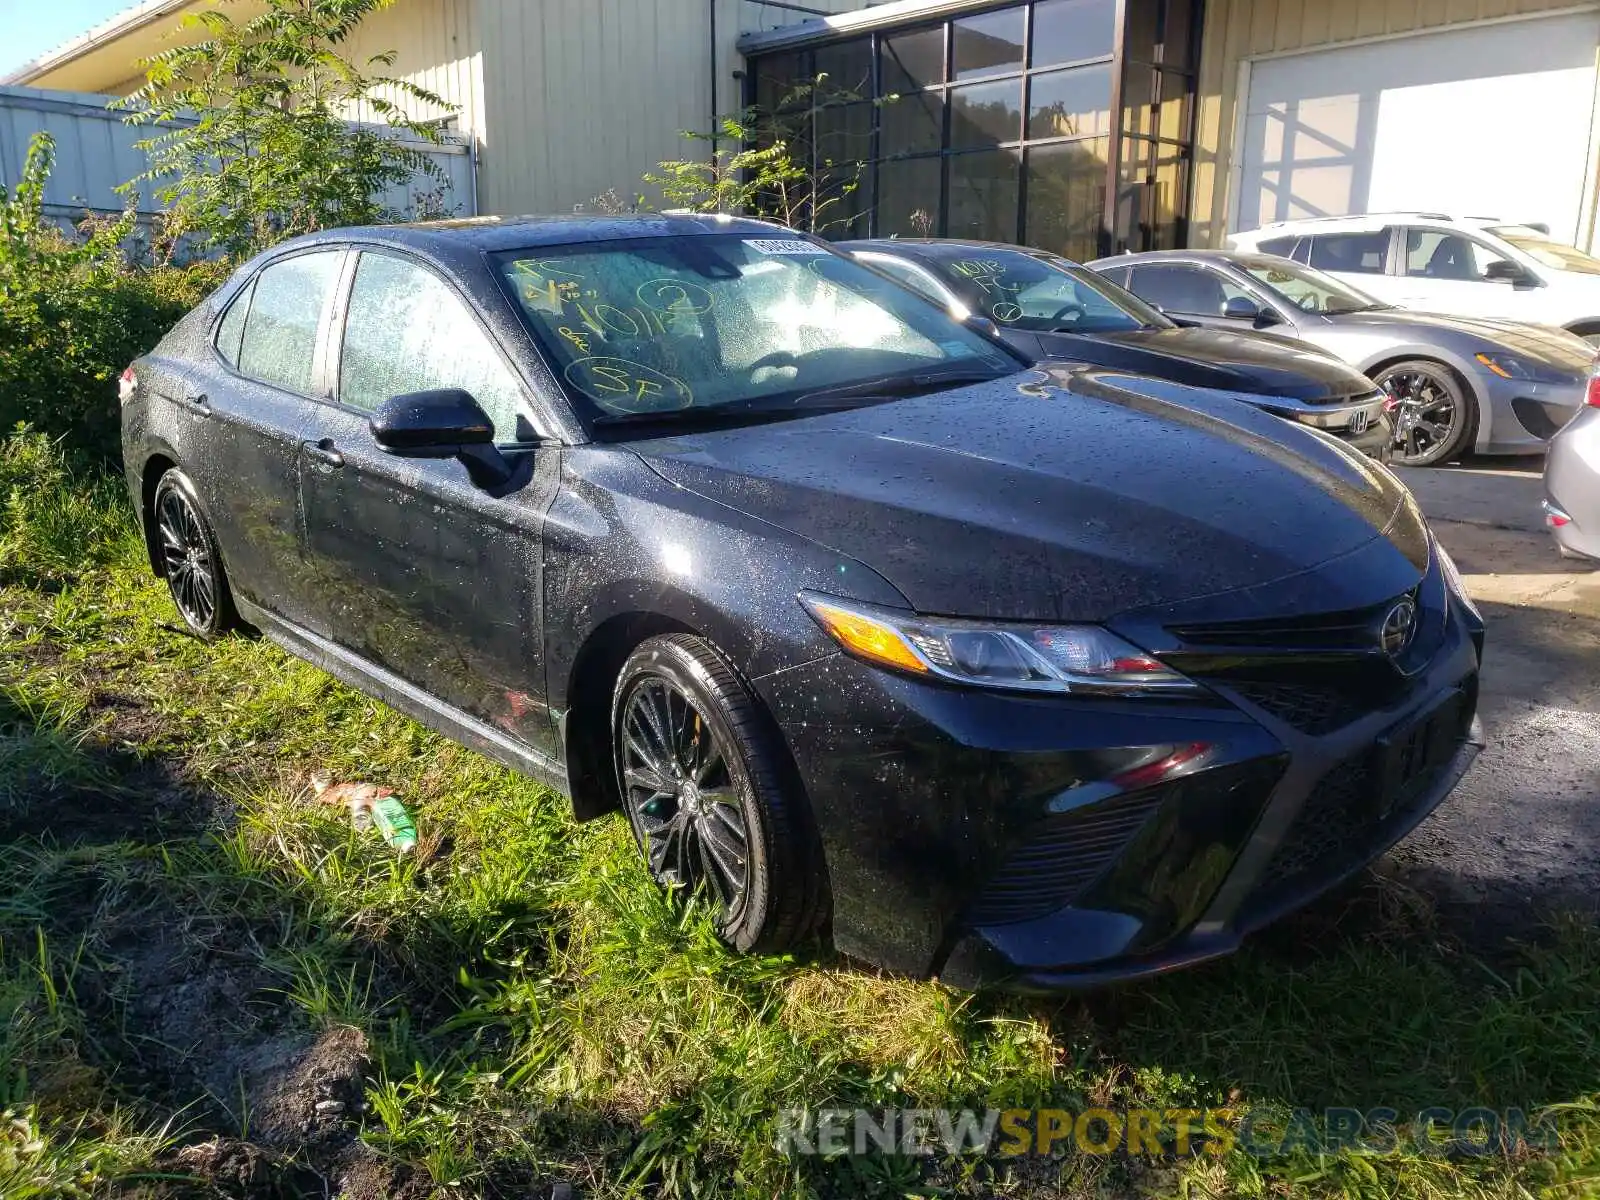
{"points": [[1050, 308], [1572, 480], [1049, 675], [1464, 266], [1455, 384]]}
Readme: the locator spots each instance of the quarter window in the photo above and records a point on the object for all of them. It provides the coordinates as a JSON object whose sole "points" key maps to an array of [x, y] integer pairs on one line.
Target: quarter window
{"points": [[279, 341], [230, 334], [406, 331], [1283, 246], [1352, 253]]}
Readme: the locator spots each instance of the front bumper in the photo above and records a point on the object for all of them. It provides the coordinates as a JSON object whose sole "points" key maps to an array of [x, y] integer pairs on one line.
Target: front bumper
{"points": [[1363, 423], [1057, 842], [1518, 417]]}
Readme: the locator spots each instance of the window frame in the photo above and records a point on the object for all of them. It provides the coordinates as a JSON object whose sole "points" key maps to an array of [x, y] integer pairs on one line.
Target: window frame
{"points": [[1222, 274], [1444, 231], [319, 344], [533, 406], [1393, 251]]}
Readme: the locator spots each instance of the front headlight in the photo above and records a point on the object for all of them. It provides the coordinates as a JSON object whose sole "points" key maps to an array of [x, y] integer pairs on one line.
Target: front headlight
{"points": [[1453, 580], [1510, 366], [1031, 658]]}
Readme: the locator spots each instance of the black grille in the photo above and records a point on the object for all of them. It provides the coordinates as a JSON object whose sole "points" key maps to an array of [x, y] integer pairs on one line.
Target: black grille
{"points": [[1351, 629], [1358, 804], [1310, 709], [1063, 856], [1337, 818]]}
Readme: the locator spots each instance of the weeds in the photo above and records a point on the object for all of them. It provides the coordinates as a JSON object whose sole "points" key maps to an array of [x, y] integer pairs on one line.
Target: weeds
{"points": [[195, 957]]}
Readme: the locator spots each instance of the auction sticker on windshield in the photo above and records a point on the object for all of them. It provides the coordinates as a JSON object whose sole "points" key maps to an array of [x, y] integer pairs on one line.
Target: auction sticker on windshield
{"points": [[783, 246]]}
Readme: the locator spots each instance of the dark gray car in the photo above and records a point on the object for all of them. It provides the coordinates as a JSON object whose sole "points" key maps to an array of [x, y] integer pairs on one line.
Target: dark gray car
{"points": [[1457, 384]]}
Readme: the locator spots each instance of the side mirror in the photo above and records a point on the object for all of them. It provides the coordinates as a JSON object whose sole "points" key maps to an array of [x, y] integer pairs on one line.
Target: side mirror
{"points": [[1503, 270], [442, 423], [982, 324], [1241, 308]]}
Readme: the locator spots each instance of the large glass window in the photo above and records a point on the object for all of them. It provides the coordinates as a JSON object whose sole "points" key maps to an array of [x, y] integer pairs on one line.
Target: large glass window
{"points": [[279, 342], [990, 44], [1025, 92], [406, 331], [983, 195]]}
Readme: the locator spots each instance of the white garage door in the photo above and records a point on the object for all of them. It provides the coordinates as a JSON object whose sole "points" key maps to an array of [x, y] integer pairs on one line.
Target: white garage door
{"points": [[1487, 121]]}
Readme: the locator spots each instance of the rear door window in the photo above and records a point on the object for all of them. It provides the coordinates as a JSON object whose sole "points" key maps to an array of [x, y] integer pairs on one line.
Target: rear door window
{"points": [[278, 344], [1352, 253]]}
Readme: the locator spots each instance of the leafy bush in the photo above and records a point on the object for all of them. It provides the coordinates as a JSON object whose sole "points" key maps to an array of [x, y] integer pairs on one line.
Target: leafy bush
{"points": [[74, 313]]}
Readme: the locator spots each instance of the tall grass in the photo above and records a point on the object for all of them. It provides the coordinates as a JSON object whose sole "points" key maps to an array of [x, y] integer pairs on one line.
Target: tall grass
{"points": [[536, 1011]]}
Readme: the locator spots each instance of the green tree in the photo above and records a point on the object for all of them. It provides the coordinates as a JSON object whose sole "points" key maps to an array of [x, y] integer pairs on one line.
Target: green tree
{"points": [[772, 162], [252, 143]]}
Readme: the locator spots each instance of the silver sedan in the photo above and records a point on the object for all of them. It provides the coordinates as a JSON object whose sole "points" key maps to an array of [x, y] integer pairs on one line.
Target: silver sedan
{"points": [[1456, 384], [1572, 482]]}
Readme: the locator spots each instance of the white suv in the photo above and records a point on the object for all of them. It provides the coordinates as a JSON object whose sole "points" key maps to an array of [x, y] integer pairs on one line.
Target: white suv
{"points": [[1467, 266]]}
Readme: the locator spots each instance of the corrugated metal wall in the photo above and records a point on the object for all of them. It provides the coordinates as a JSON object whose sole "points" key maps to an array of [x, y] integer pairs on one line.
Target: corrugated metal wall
{"points": [[95, 152], [581, 96], [1238, 29]]}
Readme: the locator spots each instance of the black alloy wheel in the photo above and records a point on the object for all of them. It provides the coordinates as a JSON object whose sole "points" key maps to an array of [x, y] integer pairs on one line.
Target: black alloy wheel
{"points": [[1435, 417], [189, 558], [704, 787]]}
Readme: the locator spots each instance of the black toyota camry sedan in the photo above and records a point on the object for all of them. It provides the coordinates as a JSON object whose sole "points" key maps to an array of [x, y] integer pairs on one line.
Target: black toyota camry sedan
{"points": [[1050, 308], [1046, 676]]}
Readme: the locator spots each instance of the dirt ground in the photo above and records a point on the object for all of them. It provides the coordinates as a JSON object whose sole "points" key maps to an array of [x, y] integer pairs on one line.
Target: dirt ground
{"points": [[1521, 835]]}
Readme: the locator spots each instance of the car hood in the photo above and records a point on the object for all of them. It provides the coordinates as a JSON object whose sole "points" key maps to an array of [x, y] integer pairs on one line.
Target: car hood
{"points": [[1245, 362], [1545, 343], [1063, 493]]}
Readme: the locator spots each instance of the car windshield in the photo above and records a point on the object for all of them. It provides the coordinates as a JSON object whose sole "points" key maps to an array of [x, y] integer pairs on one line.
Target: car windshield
{"points": [[672, 328], [1549, 253], [1038, 293], [1307, 288]]}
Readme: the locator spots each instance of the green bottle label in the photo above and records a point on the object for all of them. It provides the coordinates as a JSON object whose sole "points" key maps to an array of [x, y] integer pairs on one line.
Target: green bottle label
{"points": [[395, 823]]}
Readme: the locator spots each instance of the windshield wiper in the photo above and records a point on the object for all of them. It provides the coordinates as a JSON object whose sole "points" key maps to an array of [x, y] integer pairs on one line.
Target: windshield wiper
{"points": [[789, 404], [895, 387]]}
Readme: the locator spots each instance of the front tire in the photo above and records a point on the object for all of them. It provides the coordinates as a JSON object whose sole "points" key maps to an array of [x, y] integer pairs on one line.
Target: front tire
{"points": [[1435, 412], [703, 780], [190, 560]]}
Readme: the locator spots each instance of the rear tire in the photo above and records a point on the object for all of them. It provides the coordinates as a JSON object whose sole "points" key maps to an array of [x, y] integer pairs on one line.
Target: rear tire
{"points": [[191, 563], [1435, 414], [707, 789]]}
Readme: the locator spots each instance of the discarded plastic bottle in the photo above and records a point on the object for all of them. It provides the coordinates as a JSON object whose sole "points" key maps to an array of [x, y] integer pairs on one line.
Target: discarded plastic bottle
{"points": [[394, 823], [371, 807]]}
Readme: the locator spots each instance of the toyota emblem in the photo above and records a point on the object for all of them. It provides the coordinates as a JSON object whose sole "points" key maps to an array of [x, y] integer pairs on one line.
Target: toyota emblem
{"points": [[1398, 627]]}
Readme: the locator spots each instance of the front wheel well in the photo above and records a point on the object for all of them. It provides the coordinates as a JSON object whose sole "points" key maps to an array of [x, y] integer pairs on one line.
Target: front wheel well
{"points": [[587, 722], [154, 468]]}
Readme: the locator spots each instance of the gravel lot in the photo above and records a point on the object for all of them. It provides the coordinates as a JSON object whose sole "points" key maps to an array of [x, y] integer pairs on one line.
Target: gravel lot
{"points": [[1521, 837]]}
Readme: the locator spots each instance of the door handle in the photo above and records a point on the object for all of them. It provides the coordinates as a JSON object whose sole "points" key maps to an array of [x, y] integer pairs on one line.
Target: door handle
{"points": [[324, 453], [198, 403]]}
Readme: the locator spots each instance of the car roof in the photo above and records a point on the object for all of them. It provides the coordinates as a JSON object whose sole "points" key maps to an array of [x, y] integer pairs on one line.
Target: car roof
{"points": [[493, 234], [1367, 221], [1139, 256], [939, 248]]}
